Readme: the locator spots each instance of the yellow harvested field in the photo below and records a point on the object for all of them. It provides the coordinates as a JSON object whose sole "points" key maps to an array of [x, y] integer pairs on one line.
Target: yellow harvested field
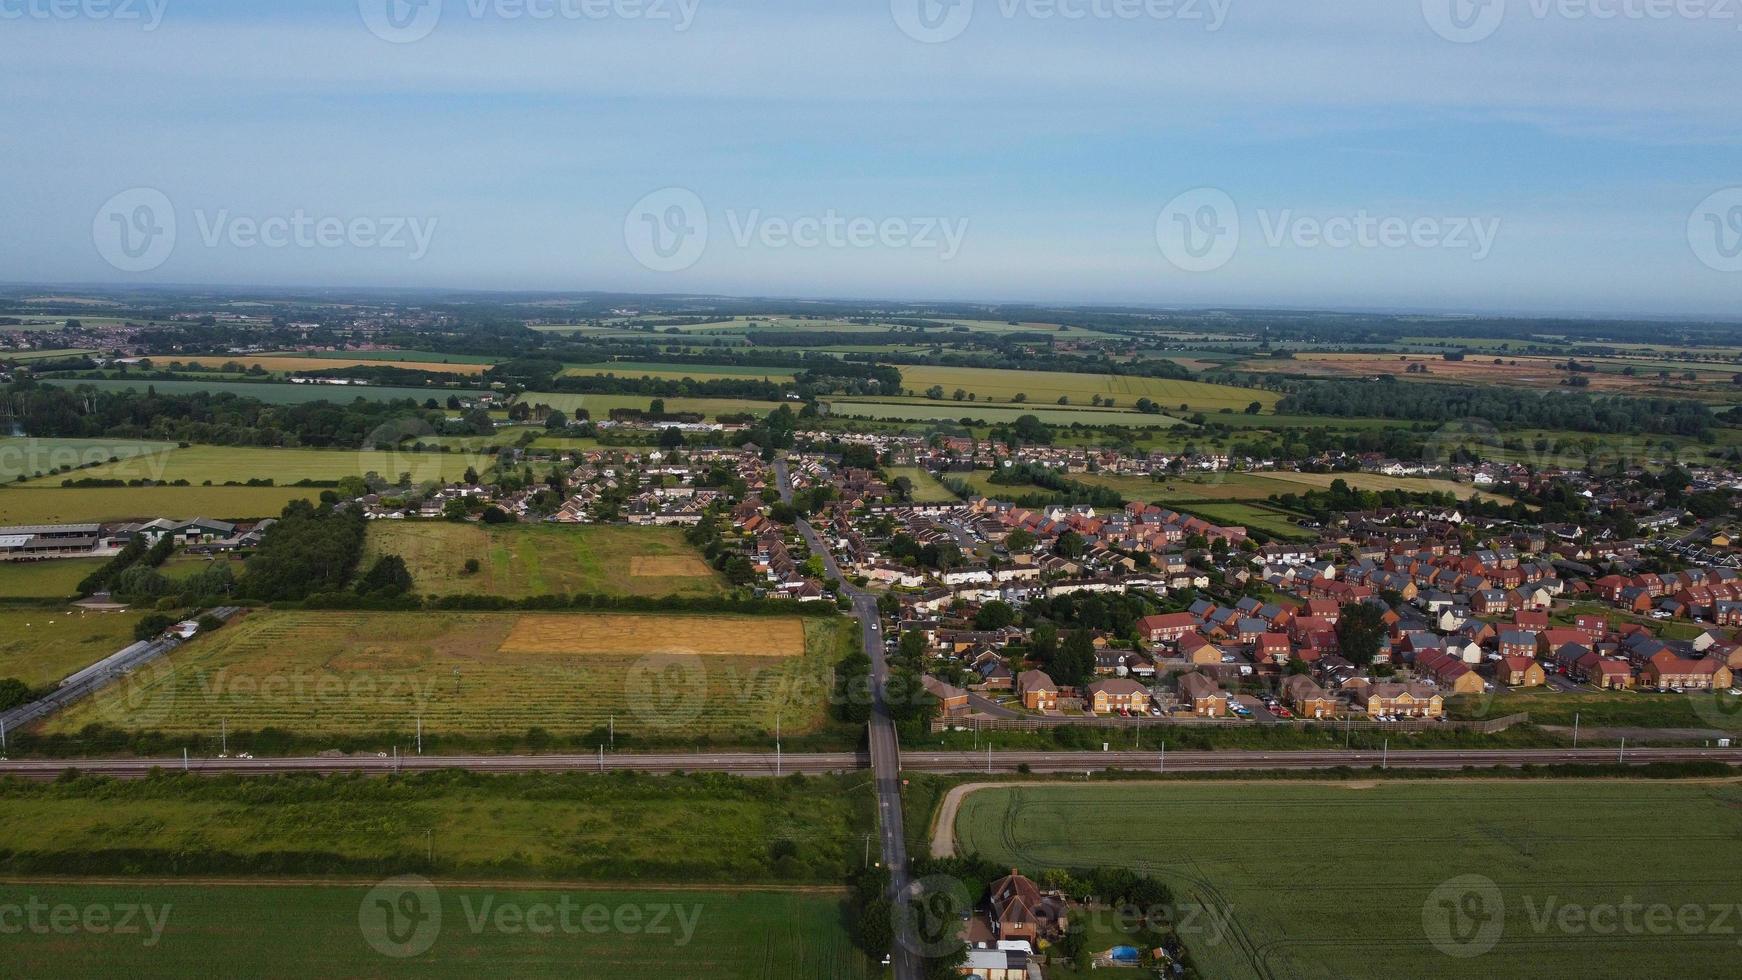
{"points": [[668, 566], [699, 636], [1044, 388], [291, 365]]}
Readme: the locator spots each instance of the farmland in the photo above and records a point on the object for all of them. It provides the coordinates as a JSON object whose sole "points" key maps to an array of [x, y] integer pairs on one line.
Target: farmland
{"points": [[527, 560], [1275, 523], [600, 406], [22, 456], [737, 933], [918, 410], [41, 646], [272, 394], [218, 464], [1708, 383], [1275, 905], [700, 372], [76, 506], [294, 363], [58, 579], [1045, 388], [577, 826], [478, 675]]}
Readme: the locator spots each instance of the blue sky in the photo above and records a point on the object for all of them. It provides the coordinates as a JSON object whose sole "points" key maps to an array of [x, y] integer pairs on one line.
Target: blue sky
{"points": [[1051, 146]]}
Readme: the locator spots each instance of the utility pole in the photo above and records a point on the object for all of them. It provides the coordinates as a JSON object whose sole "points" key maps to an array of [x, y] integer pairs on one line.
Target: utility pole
{"points": [[613, 733], [777, 717], [2, 737], [1622, 758], [1575, 729], [1164, 757], [988, 758], [601, 758], [867, 862], [1385, 756], [184, 759], [419, 734], [224, 735]]}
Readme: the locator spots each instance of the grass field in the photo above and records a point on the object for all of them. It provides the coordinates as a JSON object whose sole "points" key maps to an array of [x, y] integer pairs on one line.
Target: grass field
{"points": [[926, 488], [600, 406], [41, 646], [574, 827], [417, 357], [314, 930], [1345, 880], [69, 506], [197, 464], [520, 560], [57, 579], [1618, 709], [1045, 388], [926, 410], [20, 456], [677, 372], [294, 363], [274, 394], [485, 675], [1253, 517]]}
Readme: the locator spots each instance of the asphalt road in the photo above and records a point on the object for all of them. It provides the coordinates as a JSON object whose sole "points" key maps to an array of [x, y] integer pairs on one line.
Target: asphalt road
{"points": [[884, 746]]}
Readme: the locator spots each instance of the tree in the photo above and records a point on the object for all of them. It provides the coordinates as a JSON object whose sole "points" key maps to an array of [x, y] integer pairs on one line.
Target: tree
{"points": [[1019, 541], [387, 577], [1069, 545], [13, 692], [994, 615], [1360, 632], [556, 420], [1075, 663], [671, 437], [471, 567], [656, 407]]}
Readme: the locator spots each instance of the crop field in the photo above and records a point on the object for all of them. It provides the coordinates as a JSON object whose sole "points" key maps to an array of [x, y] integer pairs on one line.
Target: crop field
{"points": [[80, 506], [1045, 388], [1380, 482], [419, 357], [26, 356], [677, 372], [926, 410], [249, 929], [57, 579], [293, 363], [273, 394], [27, 457], [1519, 371], [41, 646], [485, 674], [600, 406], [198, 464], [518, 560], [1393, 879]]}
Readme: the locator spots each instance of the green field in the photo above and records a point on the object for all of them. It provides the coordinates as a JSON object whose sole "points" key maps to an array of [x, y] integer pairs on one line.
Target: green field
{"points": [[1256, 518], [314, 930], [275, 394], [28, 457], [600, 406], [70, 506], [198, 464], [577, 827], [58, 579], [926, 410], [41, 646], [520, 560], [677, 372], [1345, 880], [1045, 388], [330, 675], [926, 488]]}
